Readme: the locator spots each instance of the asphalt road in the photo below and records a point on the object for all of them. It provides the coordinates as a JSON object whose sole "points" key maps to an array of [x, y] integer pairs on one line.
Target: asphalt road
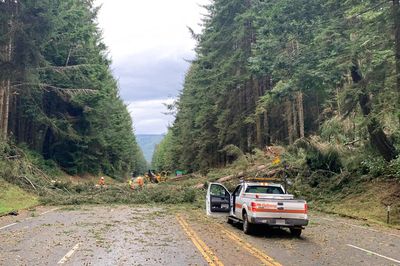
{"points": [[131, 235]]}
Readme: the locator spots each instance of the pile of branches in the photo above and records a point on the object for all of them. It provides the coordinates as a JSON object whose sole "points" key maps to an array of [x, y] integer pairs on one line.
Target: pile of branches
{"points": [[17, 168]]}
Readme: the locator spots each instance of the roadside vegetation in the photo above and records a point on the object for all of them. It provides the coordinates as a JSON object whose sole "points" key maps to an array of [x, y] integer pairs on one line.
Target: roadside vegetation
{"points": [[13, 198]]}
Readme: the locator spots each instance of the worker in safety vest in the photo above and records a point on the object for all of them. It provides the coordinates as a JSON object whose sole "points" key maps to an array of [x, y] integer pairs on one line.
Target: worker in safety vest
{"points": [[102, 182], [140, 181], [131, 183]]}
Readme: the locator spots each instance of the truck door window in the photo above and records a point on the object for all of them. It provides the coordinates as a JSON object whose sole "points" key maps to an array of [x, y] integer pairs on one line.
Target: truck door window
{"points": [[218, 191], [219, 200]]}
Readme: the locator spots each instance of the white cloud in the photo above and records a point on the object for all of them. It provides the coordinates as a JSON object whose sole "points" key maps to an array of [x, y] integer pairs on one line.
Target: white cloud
{"points": [[137, 26], [148, 41], [149, 116]]}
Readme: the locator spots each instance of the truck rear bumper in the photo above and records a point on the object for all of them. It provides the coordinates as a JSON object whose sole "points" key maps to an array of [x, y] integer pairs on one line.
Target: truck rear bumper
{"points": [[279, 222]]}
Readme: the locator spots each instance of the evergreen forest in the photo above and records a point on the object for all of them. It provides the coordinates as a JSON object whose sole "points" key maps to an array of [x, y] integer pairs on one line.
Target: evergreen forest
{"points": [[321, 78], [302, 96], [58, 98], [303, 92]]}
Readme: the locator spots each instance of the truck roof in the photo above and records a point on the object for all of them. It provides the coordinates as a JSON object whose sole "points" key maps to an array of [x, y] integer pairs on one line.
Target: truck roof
{"points": [[261, 184]]}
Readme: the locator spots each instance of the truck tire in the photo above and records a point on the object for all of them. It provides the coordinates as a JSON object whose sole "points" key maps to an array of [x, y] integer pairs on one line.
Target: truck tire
{"points": [[247, 226], [296, 232]]}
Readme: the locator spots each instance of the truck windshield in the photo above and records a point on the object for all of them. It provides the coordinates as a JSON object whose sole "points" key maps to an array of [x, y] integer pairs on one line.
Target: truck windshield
{"points": [[264, 190]]}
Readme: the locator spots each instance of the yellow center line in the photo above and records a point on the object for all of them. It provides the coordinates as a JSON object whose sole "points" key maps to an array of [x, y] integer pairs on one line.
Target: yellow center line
{"points": [[264, 258], [207, 253]]}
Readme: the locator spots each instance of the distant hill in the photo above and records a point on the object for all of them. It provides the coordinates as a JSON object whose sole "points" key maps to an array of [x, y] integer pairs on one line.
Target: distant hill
{"points": [[148, 143]]}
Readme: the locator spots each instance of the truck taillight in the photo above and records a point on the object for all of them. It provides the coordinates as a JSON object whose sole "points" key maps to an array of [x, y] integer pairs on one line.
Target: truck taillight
{"points": [[306, 208], [253, 206]]}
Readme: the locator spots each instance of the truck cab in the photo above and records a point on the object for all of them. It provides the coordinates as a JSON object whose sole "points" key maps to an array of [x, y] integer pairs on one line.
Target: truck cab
{"points": [[254, 203]]}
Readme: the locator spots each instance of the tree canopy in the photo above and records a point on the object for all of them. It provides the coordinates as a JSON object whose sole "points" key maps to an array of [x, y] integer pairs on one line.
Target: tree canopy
{"points": [[57, 92], [272, 72]]}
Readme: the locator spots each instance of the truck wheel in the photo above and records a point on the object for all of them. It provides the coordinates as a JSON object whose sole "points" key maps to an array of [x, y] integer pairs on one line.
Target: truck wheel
{"points": [[296, 232], [247, 226]]}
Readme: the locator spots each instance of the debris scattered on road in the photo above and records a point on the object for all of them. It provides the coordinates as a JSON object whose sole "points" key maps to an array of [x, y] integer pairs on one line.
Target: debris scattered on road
{"points": [[13, 213]]}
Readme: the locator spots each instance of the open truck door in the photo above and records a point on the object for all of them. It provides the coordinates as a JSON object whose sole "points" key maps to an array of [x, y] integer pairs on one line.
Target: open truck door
{"points": [[218, 200]]}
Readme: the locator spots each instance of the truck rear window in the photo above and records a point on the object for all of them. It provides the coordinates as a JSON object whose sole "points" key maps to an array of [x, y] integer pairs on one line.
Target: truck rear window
{"points": [[264, 190]]}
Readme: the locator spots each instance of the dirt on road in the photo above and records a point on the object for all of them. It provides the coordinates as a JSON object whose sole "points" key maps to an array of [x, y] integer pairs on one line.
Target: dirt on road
{"points": [[143, 235]]}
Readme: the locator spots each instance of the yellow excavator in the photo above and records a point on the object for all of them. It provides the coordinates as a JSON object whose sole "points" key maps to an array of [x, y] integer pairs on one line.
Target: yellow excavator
{"points": [[164, 175], [153, 177]]}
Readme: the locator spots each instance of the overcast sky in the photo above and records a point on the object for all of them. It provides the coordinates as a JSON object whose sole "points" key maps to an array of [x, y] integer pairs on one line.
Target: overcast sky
{"points": [[148, 41]]}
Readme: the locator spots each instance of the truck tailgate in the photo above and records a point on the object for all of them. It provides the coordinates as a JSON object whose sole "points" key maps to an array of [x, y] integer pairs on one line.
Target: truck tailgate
{"points": [[279, 208]]}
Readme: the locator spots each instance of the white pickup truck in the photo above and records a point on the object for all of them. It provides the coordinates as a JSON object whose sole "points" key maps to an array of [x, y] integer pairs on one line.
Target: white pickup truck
{"points": [[258, 203]]}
